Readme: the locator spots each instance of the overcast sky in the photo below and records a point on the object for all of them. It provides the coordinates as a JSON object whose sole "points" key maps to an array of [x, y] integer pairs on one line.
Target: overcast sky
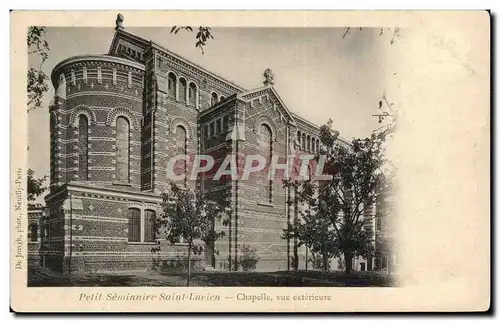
{"points": [[318, 74]]}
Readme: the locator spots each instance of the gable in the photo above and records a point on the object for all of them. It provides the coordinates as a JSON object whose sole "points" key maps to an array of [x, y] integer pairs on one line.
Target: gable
{"points": [[256, 96], [129, 46]]}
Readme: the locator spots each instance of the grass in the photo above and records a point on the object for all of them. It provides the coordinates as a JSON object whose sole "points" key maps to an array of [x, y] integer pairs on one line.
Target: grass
{"points": [[38, 277]]}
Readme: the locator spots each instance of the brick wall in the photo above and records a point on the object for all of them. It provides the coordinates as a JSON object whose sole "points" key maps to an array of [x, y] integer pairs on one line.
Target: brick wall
{"points": [[102, 90]]}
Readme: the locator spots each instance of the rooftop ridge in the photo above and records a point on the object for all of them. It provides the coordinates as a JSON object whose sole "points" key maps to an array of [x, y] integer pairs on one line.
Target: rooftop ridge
{"points": [[303, 119]]}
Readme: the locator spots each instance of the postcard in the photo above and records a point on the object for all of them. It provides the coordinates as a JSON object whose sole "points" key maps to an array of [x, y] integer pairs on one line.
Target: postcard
{"points": [[250, 161]]}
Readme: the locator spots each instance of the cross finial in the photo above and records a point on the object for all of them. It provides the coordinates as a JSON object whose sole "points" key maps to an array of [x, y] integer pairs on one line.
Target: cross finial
{"points": [[269, 77], [119, 21]]}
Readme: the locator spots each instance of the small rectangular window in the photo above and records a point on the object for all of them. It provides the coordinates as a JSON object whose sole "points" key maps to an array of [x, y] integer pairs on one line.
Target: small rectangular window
{"points": [[149, 225], [134, 225], [218, 127], [205, 131], [212, 129]]}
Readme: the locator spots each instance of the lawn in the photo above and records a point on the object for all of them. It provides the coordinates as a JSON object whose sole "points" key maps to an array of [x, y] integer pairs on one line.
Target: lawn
{"points": [[299, 278]]}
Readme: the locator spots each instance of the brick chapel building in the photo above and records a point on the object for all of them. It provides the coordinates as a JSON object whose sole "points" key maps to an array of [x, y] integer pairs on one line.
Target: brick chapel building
{"points": [[115, 121]]}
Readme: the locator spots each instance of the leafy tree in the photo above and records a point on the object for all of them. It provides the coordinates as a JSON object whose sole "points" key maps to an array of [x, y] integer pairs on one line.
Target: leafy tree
{"points": [[192, 216], [395, 32], [203, 35], [35, 188], [248, 259], [311, 230], [317, 261], [37, 87], [332, 225], [37, 79]]}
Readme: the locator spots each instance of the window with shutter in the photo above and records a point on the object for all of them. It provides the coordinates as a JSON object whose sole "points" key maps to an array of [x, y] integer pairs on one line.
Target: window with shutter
{"points": [[149, 225], [134, 225]]}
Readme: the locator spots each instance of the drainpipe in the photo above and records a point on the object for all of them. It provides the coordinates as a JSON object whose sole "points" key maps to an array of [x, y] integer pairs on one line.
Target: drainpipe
{"points": [[236, 196]]}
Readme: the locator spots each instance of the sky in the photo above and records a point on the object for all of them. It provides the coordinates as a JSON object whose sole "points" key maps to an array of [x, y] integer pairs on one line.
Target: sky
{"points": [[318, 73]]}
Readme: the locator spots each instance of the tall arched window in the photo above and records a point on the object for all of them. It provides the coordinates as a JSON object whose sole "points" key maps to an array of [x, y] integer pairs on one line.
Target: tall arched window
{"points": [[181, 143], [308, 144], [298, 136], [266, 150], [172, 85], [317, 145], [214, 99], [192, 94], [149, 225], [83, 137], [134, 225], [122, 149], [303, 141], [313, 145], [182, 89], [222, 98]]}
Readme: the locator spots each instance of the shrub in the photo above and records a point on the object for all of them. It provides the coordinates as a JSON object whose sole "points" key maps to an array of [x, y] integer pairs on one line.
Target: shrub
{"points": [[248, 259]]}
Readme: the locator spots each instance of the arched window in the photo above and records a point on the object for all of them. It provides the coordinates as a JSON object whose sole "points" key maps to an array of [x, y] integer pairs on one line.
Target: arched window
{"points": [[149, 225], [83, 136], [313, 145], [303, 141], [266, 150], [134, 225], [182, 89], [298, 136], [181, 143], [33, 232], [308, 144], [214, 99], [222, 98], [192, 94], [317, 145], [172, 85], [122, 149]]}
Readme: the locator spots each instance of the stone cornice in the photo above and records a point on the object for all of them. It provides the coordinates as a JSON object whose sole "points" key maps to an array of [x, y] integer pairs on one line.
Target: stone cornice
{"points": [[102, 59], [180, 62], [195, 70], [109, 193]]}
